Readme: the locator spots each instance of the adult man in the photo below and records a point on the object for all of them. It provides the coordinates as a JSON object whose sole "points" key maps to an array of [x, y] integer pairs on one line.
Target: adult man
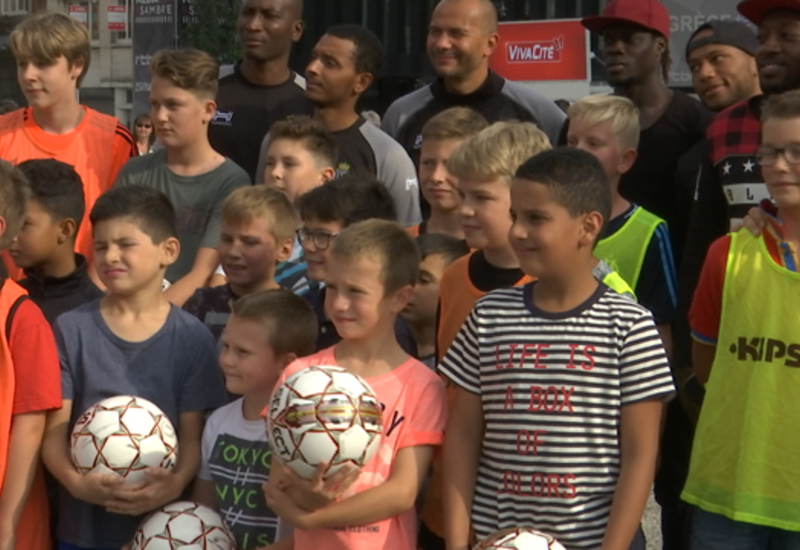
{"points": [[636, 53], [344, 64], [461, 38], [721, 57], [261, 88]]}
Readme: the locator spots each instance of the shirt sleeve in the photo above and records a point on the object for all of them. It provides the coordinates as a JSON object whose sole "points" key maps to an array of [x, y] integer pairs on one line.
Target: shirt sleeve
{"points": [[396, 171], [203, 386], [426, 426], [644, 368], [123, 149], [461, 363], [706, 310], [67, 382], [206, 448], [36, 368], [656, 288]]}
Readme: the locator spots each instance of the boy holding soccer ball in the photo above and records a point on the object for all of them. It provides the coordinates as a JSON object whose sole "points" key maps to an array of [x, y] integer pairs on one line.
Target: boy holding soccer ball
{"points": [[130, 342], [371, 272], [29, 387], [266, 331]]}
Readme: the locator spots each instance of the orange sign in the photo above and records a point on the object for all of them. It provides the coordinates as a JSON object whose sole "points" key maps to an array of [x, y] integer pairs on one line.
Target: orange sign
{"points": [[542, 50]]}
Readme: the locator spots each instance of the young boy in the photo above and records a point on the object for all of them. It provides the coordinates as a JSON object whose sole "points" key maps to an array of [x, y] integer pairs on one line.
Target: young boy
{"points": [[29, 388], [745, 350], [194, 176], [636, 244], [53, 52], [265, 332], [559, 384], [440, 136], [257, 233], [325, 212], [57, 278], [373, 267], [437, 251], [131, 342], [301, 156]]}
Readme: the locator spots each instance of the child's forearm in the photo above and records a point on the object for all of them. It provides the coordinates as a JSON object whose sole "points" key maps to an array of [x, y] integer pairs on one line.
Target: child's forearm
{"points": [[205, 264], [461, 454], [55, 448], [23, 457]]}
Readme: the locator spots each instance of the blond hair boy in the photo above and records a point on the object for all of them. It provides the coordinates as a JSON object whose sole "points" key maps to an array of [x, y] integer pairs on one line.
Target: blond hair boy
{"points": [[372, 269], [301, 156], [188, 170], [53, 53], [636, 243], [440, 136], [257, 233]]}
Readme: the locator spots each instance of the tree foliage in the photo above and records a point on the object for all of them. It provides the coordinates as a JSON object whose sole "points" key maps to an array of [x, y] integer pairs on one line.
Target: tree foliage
{"points": [[210, 25]]}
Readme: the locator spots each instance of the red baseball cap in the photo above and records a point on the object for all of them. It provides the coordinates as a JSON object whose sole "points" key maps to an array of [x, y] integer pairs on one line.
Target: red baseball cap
{"points": [[755, 10], [650, 14]]}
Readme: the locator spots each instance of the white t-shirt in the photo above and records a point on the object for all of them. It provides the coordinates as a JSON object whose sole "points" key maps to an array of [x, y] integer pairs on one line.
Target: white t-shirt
{"points": [[236, 458], [552, 387]]}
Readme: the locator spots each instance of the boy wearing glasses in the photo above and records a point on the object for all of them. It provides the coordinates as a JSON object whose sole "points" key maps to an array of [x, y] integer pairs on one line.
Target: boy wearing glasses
{"points": [[325, 212], [743, 478], [256, 234]]}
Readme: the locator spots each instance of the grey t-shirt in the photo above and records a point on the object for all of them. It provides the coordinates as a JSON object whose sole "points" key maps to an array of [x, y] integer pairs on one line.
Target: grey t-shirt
{"points": [[197, 201], [176, 369]]}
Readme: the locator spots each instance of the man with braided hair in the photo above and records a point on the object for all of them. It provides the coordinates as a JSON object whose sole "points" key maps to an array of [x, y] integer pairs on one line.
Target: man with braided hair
{"points": [[635, 50]]}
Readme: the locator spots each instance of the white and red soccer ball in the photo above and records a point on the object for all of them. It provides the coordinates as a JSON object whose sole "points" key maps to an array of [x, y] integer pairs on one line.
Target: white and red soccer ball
{"points": [[519, 538], [123, 435], [183, 525], [324, 414]]}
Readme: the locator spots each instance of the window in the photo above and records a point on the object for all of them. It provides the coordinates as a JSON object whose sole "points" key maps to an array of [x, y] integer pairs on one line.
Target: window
{"points": [[124, 35], [16, 7]]}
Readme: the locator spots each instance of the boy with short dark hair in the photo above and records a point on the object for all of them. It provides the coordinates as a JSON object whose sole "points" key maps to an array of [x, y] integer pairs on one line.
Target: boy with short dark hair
{"points": [[440, 136], [57, 278], [132, 341], [193, 175], [266, 331], [550, 354], [257, 233], [325, 212], [29, 388], [636, 243], [53, 52], [744, 325], [374, 265], [300, 156], [437, 251]]}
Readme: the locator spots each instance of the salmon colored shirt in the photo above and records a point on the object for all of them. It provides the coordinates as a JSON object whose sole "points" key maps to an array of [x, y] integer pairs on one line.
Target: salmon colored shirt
{"points": [[414, 414], [97, 149]]}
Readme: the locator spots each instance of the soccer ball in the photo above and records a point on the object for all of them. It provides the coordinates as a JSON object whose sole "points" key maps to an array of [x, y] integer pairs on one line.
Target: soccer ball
{"points": [[519, 538], [123, 435], [183, 525], [324, 414]]}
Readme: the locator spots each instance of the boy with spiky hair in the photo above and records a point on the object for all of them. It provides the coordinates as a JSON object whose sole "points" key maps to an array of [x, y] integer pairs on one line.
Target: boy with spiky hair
{"points": [[53, 53], [130, 342], [188, 170]]}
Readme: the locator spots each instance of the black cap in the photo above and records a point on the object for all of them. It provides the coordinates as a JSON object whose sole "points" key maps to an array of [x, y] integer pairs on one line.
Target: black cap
{"points": [[731, 33]]}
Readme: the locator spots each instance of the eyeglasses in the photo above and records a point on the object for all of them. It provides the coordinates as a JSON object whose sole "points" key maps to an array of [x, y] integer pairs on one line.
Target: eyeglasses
{"points": [[321, 239], [140, 125], [768, 156]]}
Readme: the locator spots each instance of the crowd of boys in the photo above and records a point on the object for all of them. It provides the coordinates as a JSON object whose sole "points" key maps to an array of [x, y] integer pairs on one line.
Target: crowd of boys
{"points": [[484, 265]]}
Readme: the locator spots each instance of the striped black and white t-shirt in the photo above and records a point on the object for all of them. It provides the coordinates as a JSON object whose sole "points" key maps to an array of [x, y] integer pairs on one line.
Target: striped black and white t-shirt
{"points": [[552, 386]]}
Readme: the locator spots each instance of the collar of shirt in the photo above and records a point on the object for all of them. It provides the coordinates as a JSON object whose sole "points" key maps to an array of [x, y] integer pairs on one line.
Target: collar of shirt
{"points": [[782, 251], [492, 86]]}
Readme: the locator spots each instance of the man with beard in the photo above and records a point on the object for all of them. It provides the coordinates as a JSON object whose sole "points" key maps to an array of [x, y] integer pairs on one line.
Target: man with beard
{"points": [[261, 88], [344, 64], [720, 55], [461, 38], [635, 50]]}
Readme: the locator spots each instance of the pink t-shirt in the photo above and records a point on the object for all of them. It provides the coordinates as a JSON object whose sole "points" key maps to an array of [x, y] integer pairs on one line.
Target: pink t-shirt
{"points": [[414, 414]]}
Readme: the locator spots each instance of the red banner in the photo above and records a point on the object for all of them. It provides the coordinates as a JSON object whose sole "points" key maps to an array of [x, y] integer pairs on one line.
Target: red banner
{"points": [[542, 50]]}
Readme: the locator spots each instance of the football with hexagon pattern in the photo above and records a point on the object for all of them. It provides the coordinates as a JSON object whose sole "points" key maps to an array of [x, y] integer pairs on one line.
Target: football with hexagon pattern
{"points": [[183, 525], [324, 414], [123, 435], [519, 538]]}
